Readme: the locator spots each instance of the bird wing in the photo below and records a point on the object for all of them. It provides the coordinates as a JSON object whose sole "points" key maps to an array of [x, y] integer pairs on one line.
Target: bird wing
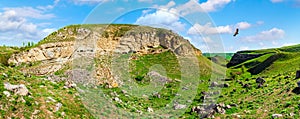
{"points": [[236, 32]]}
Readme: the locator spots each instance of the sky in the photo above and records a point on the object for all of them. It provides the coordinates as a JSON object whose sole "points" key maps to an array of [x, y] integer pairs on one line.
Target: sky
{"points": [[207, 24]]}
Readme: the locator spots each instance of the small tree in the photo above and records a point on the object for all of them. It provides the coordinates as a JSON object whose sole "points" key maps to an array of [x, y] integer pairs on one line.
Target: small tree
{"points": [[28, 44]]}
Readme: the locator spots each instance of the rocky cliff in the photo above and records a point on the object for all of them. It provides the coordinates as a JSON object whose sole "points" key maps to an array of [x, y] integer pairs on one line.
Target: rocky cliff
{"points": [[59, 48]]}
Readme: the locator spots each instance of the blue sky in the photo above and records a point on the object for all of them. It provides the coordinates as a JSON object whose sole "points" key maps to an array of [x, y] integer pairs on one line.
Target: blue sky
{"points": [[208, 24]]}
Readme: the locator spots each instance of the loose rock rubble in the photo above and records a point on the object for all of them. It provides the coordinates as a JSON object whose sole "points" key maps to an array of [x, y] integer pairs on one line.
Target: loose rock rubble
{"points": [[209, 111]]}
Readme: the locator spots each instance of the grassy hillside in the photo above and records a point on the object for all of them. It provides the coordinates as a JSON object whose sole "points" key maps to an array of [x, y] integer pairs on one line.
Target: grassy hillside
{"points": [[39, 103], [278, 95], [274, 61], [41, 90], [46, 94]]}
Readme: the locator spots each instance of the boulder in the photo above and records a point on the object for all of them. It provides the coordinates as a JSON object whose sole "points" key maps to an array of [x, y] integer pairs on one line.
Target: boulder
{"points": [[179, 106], [220, 108], [260, 80], [149, 109], [298, 74], [214, 84], [276, 116], [6, 93], [298, 83], [246, 86], [259, 85], [197, 109], [69, 84], [50, 99], [17, 89], [57, 107]]}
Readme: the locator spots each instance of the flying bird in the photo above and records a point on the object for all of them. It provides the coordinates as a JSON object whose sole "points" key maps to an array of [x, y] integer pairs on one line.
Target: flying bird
{"points": [[236, 32]]}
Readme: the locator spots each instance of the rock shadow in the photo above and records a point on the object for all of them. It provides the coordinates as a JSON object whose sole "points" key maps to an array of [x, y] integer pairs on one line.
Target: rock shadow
{"points": [[296, 90]]}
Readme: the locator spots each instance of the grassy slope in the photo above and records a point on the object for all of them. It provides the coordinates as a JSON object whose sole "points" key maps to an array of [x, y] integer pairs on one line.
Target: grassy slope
{"points": [[169, 61], [287, 61], [40, 89], [279, 94]]}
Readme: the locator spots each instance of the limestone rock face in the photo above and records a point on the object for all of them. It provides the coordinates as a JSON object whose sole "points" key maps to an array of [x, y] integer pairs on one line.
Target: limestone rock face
{"points": [[60, 51], [63, 47]]}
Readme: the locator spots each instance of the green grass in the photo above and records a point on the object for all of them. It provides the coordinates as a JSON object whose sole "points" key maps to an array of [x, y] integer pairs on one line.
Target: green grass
{"points": [[63, 34], [168, 62], [253, 62], [277, 95], [285, 59], [40, 89]]}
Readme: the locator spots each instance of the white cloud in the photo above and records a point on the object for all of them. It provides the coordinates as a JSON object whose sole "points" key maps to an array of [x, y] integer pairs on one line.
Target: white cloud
{"points": [[48, 7], [11, 22], [29, 12], [272, 34], [164, 17], [79, 2], [276, 1], [167, 16], [213, 5], [166, 7], [15, 26], [193, 6], [243, 25], [149, 1], [208, 28]]}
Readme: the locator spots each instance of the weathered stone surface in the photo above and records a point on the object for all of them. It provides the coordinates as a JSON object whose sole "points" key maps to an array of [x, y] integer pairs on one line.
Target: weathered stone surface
{"points": [[17, 89], [276, 115], [214, 84], [157, 77], [149, 109], [57, 107], [45, 52], [6, 93], [179, 106], [260, 80]]}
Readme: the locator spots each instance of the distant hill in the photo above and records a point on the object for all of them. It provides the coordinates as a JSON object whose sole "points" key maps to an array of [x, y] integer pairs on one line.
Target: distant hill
{"points": [[219, 58], [268, 61]]}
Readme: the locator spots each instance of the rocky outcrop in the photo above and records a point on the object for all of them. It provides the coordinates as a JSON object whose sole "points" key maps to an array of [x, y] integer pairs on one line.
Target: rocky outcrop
{"points": [[238, 58], [55, 52]]}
